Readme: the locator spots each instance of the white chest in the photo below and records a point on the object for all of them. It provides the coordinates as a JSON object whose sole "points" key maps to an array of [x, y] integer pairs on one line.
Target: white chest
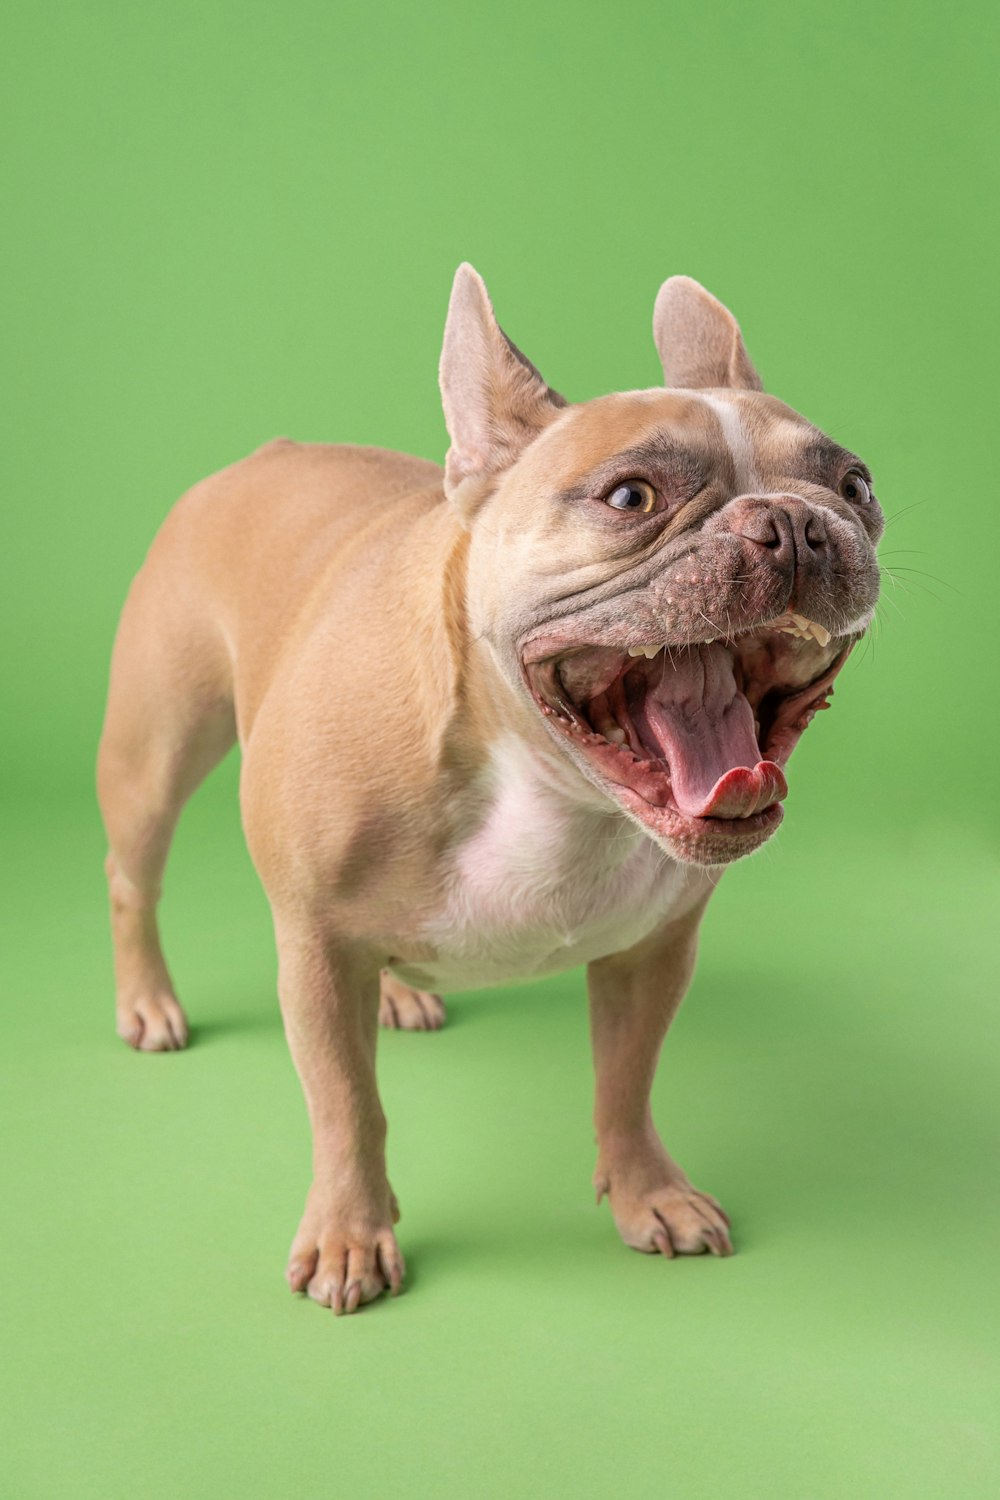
{"points": [[552, 877]]}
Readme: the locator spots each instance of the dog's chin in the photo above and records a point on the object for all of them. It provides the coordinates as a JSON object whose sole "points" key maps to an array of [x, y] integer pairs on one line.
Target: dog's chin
{"points": [[700, 841], [690, 738]]}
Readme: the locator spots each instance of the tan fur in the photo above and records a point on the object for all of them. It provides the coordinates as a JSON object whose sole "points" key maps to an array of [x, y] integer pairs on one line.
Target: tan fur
{"points": [[329, 608]]}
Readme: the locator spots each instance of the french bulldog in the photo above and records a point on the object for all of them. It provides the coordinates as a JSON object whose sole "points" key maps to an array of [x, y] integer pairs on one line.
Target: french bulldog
{"points": [[496, 721]]}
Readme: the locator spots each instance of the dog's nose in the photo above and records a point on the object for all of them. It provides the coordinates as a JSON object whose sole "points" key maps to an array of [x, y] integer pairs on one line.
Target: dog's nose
{"points": [[789, 530]]}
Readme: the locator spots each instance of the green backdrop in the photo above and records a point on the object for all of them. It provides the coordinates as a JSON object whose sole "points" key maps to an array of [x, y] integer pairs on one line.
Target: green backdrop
{"points": [[227, 221]]}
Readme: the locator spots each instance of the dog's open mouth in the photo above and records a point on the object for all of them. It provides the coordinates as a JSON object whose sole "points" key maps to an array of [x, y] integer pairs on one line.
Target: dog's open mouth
{"points": [[694, 738]]}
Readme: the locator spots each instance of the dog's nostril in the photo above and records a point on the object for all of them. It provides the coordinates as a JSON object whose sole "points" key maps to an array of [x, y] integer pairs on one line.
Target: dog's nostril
{"points": [[760, 527], [815, 533]]}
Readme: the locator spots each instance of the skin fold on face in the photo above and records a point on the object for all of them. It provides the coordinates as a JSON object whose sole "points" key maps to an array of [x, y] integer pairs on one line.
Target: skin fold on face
{"points": [[692, 569], [671, 578]]}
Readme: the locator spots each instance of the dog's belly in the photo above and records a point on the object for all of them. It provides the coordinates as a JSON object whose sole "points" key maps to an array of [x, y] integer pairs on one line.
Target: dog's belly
{"points": [[546, 882]]}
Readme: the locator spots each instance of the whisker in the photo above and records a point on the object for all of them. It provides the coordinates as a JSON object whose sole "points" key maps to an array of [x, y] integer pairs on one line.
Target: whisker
{"points": [[899, 568], [896, 606], [709, 622], [910, 585], [906, 510]]}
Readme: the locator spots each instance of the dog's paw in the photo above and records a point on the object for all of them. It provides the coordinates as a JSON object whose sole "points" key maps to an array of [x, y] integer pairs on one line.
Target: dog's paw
{"points": [[658, 1211], [344, 1270], [404, 1009], [676, 1221], [153, 1023]]}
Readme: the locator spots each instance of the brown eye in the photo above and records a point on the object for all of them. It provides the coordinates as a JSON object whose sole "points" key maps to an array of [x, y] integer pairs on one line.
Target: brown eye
{"points": [[854, 487], [634, 495]]}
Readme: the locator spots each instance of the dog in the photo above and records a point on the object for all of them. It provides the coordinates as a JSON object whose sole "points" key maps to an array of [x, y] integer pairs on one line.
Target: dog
{"points": [[496, 721]]}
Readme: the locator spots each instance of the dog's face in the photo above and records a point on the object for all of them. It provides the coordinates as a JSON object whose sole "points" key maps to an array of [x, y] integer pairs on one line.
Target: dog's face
{"points": [[672, 578]]}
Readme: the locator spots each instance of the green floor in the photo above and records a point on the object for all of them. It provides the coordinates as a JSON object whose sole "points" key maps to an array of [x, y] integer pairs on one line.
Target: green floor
{"points": [[831, 1079]]}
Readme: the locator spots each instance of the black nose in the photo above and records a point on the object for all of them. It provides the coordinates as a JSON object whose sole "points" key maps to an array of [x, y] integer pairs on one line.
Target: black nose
{"points": [[789, 532]]}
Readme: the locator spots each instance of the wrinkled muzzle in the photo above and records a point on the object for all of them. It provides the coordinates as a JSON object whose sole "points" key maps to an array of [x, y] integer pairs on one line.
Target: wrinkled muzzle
{"points": [[690, 723]]}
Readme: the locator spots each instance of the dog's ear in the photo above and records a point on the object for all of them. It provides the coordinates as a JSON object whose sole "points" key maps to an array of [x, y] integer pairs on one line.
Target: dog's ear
{"points": [[495, 402], [699, 340]]}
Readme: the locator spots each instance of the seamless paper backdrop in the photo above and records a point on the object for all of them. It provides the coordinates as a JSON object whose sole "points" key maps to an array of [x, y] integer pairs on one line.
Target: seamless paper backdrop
{"points": [[226, 222]]}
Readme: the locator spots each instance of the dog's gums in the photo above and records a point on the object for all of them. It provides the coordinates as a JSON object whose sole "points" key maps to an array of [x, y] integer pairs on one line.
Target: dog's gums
{"points": [[692, 738]]}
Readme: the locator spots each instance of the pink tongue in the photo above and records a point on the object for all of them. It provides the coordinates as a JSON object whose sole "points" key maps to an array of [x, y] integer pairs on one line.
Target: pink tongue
{"points": [[704, 727]]}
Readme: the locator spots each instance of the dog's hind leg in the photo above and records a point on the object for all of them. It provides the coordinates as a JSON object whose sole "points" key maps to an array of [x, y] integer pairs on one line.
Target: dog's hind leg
{"points": [[169, 721]]}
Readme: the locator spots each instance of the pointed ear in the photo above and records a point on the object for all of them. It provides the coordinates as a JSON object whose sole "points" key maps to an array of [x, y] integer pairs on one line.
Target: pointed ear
{"points": [[495, 402], [699, 340]]}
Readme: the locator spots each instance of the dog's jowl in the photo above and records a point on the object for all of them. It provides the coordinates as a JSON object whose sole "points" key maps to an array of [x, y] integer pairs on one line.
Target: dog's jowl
{"points": [[496, 720]]}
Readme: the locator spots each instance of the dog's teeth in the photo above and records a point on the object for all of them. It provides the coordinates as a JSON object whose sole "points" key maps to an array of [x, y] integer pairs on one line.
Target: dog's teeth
{"points": [[648, 651], [611, 730], [802, 628]]}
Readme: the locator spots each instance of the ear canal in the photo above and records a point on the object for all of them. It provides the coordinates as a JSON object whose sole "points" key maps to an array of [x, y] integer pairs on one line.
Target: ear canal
{"points": [[699, 340], [495, 401]]}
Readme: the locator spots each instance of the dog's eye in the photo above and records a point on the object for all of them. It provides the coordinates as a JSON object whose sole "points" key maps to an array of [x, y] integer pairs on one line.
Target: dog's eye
{"points": [[634, 495], [854, 487]]}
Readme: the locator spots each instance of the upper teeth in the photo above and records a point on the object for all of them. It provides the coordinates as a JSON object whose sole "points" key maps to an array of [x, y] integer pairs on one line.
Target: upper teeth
{"points": [[647, 651]]}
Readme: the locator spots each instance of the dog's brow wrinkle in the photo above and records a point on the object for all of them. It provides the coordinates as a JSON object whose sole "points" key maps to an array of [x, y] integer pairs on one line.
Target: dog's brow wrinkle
{"points": [[654, 454], [822, 457]]}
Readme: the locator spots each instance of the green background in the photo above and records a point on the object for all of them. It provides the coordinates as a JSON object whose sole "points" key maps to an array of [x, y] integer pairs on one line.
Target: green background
{"points": [[228, 221]]}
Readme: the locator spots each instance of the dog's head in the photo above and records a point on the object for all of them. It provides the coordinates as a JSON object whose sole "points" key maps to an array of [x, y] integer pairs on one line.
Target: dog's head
{"points": [[672, 578]]}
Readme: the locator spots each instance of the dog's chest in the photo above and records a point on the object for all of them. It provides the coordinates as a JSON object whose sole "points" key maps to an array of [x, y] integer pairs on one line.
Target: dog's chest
{"points": [[543, 883]]}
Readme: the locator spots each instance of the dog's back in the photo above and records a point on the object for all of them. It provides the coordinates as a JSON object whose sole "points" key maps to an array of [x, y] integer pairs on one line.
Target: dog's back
{"points": [[240, 554]]}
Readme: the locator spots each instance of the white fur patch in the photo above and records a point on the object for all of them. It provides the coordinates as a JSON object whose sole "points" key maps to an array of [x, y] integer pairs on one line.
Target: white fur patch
{"points": [[747, 478], [553, 877]]}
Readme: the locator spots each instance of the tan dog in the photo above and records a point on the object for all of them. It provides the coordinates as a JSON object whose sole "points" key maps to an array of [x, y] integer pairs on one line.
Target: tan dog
{"points": [[495, 723]]}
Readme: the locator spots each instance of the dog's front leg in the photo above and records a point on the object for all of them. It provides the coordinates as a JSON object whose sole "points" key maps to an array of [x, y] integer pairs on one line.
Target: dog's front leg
{"points": [[633, 998], [345, 1252]]}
